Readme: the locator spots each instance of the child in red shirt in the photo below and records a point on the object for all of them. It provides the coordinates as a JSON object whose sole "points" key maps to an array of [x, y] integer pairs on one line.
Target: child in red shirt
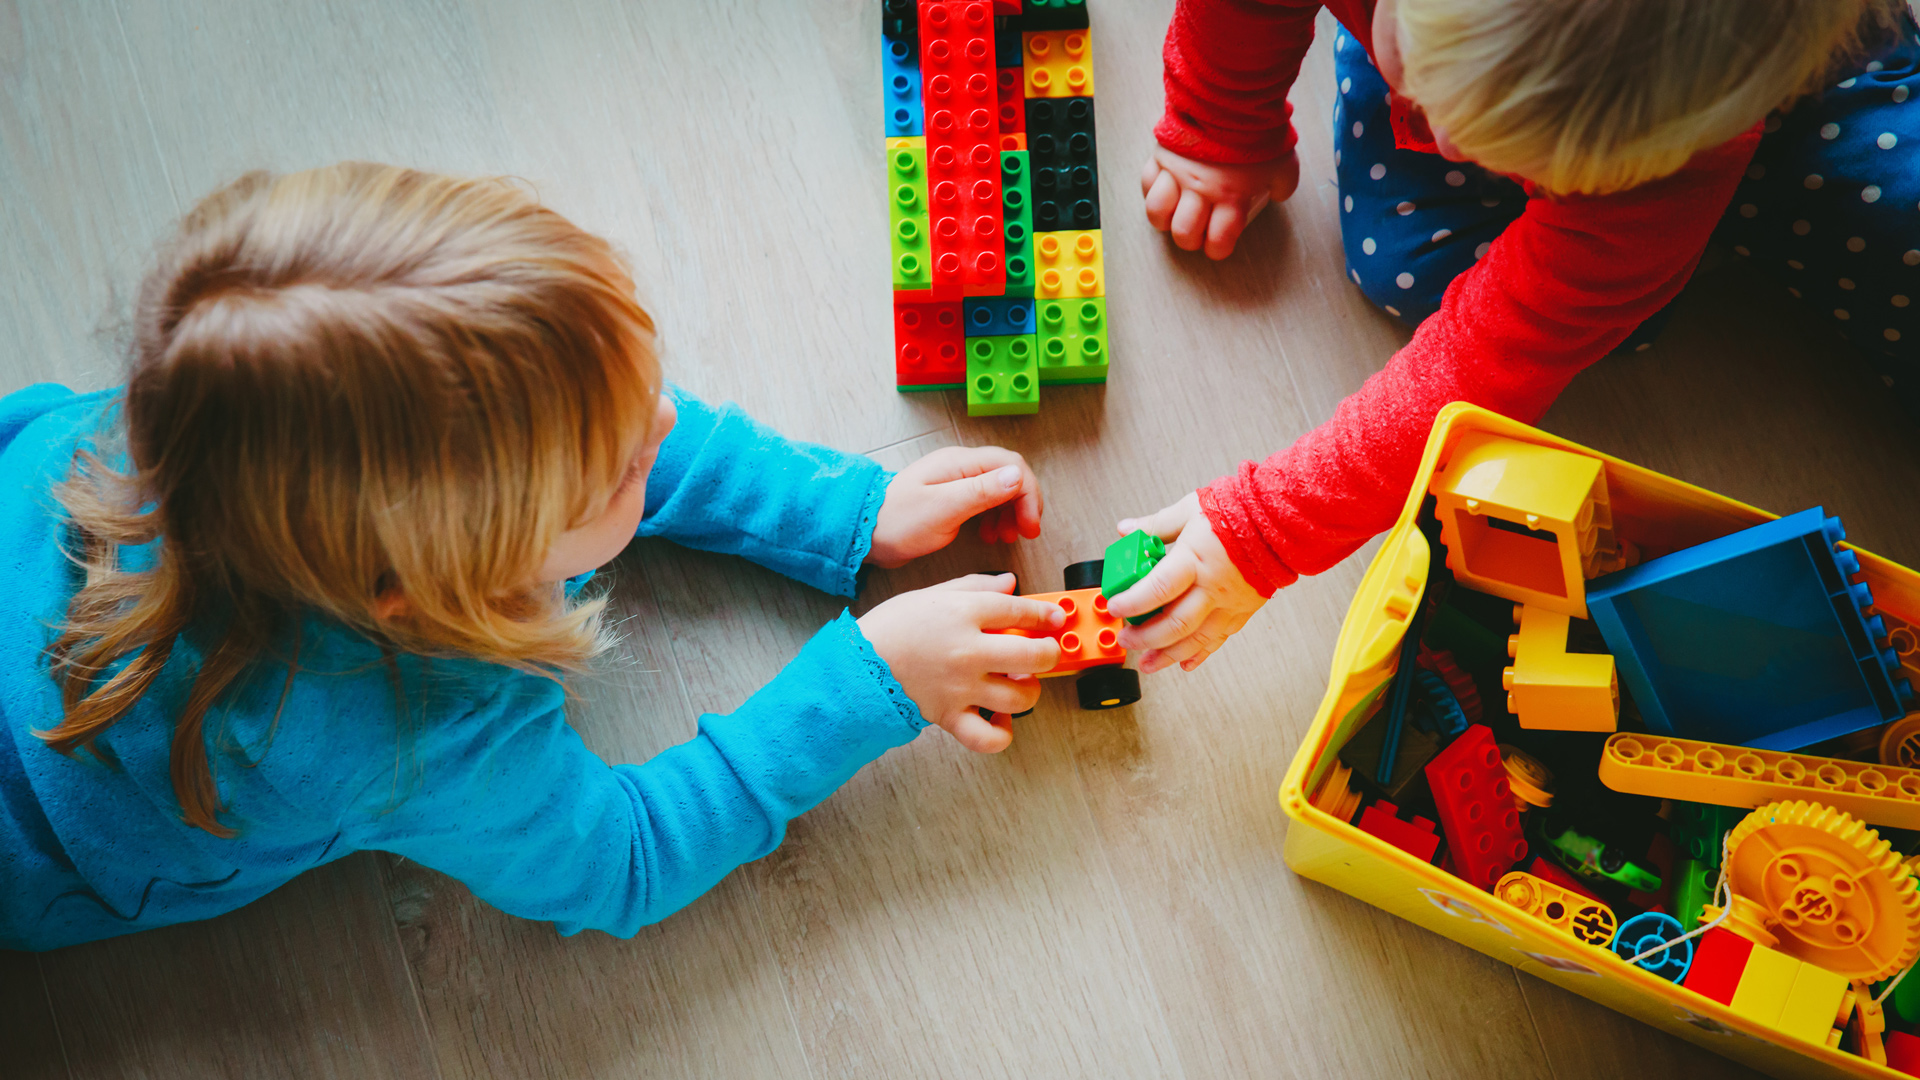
{"points": [[1529, 183]]}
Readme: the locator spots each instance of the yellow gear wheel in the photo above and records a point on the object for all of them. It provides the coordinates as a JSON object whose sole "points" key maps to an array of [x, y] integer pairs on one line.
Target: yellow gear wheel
{"points": [[1836, 894], [1900, 745]]}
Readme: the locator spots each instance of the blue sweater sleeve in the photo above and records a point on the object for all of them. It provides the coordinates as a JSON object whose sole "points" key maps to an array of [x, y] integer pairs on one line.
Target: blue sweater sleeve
{"points": [[24, 406], [512, 803], [727, 483]]}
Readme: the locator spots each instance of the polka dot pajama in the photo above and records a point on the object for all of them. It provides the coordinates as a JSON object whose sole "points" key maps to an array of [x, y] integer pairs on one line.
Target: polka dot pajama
{"points": [[1830, 207]]}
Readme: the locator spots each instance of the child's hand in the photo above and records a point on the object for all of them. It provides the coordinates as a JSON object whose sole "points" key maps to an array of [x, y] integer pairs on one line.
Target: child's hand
{"points": [[1203, 203], [930, 499], [937, 644], [1207, 598]]}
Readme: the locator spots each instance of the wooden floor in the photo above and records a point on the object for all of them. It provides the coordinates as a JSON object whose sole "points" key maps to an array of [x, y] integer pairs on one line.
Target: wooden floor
{"points": [[1107, 899]]}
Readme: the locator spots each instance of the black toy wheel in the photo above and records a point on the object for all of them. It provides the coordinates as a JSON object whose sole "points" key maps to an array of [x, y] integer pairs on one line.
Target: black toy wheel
{"points": [[1108, 687], [1085, 575]]}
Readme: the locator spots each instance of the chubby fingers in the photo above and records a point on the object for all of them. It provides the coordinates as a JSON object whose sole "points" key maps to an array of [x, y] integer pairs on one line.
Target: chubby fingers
{"points": [[1162, 192], [1228, 221], [997, 583], [1192, 651], [977, 733], [1189, 225], [1172, 578]]}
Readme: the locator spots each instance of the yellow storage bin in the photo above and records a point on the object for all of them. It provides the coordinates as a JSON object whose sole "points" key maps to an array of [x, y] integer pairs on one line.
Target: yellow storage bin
{"points": [[1660, 515]]}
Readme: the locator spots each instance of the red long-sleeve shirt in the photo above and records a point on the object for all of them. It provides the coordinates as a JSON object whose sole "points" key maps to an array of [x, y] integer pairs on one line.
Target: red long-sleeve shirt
{"points": [[1560, 288]]}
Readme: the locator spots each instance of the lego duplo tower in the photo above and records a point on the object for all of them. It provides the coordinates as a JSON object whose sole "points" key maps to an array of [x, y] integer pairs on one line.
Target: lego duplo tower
{"points": [[999, 275]]}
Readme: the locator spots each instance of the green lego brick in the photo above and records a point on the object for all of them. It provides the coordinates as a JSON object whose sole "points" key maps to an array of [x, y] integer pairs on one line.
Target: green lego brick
{"points": [[1073, 340], [1697, 830], [1128, 560], [907, 213], [1003, 377], [1016, 184], [1692, 890]]}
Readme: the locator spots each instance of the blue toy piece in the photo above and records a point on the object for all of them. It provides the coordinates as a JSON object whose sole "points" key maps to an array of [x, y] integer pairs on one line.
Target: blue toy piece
{"points": [[900, 74], [1759, 638], [997, 316], [1008, 44], [1446, 709], [1650, 930]]}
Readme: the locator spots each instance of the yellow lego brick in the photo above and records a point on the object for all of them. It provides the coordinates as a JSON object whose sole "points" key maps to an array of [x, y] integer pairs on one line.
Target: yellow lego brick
{"points": [[1817, 1002], [1550, 688], [1527, 522], [1069, 264], [1765, 985], [1742, 776], [907, 142], [1057, 63], [1588, 922]]}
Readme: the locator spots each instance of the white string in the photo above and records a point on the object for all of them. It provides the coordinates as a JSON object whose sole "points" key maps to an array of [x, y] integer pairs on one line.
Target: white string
{"points": [[1891, 985]]}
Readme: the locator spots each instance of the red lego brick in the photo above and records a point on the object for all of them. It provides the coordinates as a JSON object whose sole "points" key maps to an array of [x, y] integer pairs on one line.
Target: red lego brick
{"points": [[1660, 854], [1013, 102], [1476, 807], [1719, 958], [963, 159], [1903, 1052], [1548, 870], [929, 342], [1417, 838], [1091, 637], [1006, 7]]}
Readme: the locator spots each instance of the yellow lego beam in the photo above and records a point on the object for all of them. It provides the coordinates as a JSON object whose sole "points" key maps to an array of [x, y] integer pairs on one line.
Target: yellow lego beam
{"points": [[1552, 689], [1588, 922], [1742, 776]]}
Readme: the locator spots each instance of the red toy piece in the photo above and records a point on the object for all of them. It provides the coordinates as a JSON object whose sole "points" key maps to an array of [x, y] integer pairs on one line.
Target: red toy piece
{"points": [[1442, 663], [1660, 854], [1013, 103], [929, 343], [1719, 958], [1903, 1052], [1091, 637], [1550, 871], [1416, 838], [1476, 808], [963, 162]]}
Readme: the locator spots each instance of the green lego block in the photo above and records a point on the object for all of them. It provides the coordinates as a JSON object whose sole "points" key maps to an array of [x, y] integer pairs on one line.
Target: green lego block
{"points": [[1016, 185], [1128, 560], [1697, 830], [1003, 377], [1692, 890], [907, 213], [1073, 340]]}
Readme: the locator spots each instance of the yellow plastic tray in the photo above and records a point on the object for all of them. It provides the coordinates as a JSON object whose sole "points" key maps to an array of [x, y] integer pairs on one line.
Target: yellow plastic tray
{"points": [[1660, 514]]}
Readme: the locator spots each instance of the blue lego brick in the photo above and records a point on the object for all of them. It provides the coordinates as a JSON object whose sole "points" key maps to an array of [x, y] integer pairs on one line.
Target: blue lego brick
{"points": [[998, 316], [900, 75], [1006, 43], [1759, 638]]}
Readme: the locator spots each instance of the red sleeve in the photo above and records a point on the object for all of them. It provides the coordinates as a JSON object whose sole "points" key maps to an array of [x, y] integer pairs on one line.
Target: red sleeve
{"points": [[1559, 289], [1229, 65]]}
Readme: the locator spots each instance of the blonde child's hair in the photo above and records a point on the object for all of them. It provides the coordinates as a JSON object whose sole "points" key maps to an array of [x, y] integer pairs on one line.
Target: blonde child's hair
{"points": [[1594, 96], [351, 385]]}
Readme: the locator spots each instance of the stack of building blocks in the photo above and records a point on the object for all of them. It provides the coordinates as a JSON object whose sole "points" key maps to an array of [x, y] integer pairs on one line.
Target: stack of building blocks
{"points": [[1769, 987], [993, 183], [1551, 688], [1759, 638], [1475, 803], [1416, 837]]}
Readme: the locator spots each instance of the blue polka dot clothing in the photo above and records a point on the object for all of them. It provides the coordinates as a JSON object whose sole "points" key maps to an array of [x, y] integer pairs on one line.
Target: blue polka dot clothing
{"points": [[1830, 206]]}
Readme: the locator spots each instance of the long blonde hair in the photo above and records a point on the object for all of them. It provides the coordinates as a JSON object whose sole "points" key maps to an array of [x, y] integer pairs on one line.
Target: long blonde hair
{"points": [[1593, 96], [347, 384]]}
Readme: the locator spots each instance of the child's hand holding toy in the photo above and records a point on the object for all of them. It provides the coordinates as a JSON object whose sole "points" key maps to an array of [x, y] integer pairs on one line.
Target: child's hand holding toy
{"points": [[1207, 600]]}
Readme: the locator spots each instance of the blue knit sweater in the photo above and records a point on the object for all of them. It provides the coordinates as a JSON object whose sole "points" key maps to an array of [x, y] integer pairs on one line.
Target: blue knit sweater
{"points": [[478, 774]]}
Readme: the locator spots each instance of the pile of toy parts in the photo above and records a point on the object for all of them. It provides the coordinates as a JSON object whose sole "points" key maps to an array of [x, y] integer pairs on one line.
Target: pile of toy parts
{"points": [[1705, 761]]}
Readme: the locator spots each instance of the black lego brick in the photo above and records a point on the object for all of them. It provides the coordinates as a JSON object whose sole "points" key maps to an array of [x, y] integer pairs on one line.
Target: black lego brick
{"points": [[1063, 157]]}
